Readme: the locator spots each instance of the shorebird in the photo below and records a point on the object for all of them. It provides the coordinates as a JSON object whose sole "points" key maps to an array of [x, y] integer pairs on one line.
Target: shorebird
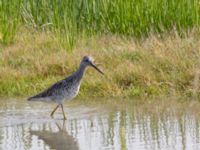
{"points": [[66, 89]]}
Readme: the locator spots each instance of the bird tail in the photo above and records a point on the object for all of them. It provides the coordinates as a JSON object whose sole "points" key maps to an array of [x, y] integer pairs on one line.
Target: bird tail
{"points": [[34, 98], [31, 98], [37, 98]]}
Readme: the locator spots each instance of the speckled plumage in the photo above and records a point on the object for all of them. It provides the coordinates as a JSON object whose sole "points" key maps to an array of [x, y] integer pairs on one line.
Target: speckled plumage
{"points": [[67, 88]]}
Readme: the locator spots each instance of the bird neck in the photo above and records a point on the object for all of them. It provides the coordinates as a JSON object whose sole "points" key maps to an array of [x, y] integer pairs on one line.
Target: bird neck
{"points": [[80, 72]]}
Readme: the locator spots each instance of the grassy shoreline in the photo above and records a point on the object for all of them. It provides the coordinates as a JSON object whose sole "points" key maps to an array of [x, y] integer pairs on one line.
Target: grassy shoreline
{"points": [[150, 67]]}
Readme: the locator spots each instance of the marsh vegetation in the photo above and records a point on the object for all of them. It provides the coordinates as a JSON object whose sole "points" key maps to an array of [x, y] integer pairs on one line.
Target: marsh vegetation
{"points": [[72, 19], [146, 48], [152, 67]]}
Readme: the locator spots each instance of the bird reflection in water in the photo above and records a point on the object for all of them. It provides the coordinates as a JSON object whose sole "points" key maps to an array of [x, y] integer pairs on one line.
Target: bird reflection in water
{"points": [[60, 140]]}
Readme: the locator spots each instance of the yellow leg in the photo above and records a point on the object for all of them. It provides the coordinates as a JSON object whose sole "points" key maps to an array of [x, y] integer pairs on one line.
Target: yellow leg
{"points": [[54, 110], [63, 112]]}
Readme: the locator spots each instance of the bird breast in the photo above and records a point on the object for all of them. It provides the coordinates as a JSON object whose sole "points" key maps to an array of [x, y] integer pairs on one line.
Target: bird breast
{"points": [[71, 91]]}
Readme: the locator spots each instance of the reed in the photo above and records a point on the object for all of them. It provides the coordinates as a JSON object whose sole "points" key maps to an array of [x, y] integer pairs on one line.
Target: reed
{"points": [[70, 19]]}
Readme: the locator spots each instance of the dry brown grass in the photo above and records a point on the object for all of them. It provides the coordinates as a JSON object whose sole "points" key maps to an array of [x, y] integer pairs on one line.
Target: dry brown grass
{"points": [[149, 67]]}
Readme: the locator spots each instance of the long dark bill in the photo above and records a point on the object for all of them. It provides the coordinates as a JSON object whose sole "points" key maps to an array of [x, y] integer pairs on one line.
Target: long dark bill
{"points": [[95, 67]]}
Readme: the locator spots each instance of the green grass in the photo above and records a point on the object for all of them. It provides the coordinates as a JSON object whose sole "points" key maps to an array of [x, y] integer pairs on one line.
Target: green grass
{"points": [[71, 19]]}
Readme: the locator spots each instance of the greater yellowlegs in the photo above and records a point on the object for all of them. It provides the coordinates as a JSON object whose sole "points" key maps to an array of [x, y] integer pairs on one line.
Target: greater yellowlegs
{"points": [[67, 88]]}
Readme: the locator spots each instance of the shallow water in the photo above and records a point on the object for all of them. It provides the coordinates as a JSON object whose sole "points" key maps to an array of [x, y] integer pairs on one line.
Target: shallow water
{"points": [[145, 125]]}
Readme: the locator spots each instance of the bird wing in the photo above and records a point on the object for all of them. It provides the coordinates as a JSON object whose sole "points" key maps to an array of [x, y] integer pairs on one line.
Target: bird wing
{"points": [[49, 91]]}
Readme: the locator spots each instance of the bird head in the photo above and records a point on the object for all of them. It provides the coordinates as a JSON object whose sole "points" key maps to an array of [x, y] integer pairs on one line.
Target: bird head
{"points": [[89, 61]]}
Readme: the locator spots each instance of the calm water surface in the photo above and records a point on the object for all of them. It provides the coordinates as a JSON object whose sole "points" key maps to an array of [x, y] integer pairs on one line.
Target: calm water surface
{"points": [[106, 125]]}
